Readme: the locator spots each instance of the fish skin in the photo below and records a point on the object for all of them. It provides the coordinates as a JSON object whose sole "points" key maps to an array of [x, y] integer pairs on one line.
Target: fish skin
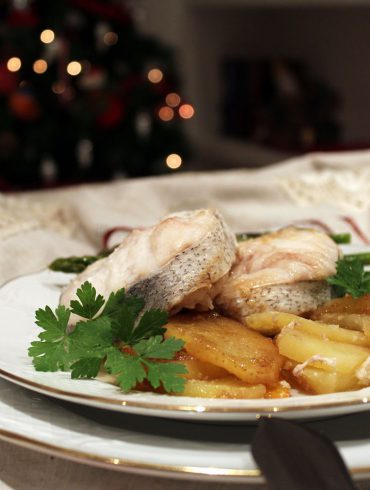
{"points": [[296, 298], [186, 254]]}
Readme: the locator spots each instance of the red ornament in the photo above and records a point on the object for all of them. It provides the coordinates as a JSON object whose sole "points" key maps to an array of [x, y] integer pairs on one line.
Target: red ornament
{"points": [[113, 113], [24, 105]]}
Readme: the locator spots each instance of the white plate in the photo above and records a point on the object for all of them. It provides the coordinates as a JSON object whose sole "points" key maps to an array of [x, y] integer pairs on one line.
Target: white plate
{"points": [[147, 445], [20, 298]]}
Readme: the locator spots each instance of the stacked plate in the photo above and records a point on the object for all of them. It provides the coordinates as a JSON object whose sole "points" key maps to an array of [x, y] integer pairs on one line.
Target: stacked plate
{"points": [[95, 423]]}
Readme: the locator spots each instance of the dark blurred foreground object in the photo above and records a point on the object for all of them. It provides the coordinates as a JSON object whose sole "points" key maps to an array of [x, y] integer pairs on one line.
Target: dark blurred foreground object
{"points": [[293, 457], [280, 104], [83, 95]]}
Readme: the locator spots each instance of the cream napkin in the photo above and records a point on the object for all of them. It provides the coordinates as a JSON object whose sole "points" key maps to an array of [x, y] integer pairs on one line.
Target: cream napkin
{"points": [[333, 189]]}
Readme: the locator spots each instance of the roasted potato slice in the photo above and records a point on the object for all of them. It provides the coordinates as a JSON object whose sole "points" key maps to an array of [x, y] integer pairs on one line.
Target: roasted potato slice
{"points": [[322, 353], [228, 344], [281, 390], [348, 305], [273, 322], [348, 312], [229, 387], [318, 381], [269, 322], [333, 332], [351, 321], [198, 369]]}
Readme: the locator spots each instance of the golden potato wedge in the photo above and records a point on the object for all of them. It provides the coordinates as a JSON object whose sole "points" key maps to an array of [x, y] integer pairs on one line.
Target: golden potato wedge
{"points": [[228, 344], [281, 390], [323, 353], [199, 369], [273, 322], [229, 387], [348, 312], [347, 305], [351, 321], [318, 381], [269, 322], [333, 332]]}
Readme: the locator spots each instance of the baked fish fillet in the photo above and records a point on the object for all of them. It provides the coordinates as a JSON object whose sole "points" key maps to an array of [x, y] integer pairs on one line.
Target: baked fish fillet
{"points": [[281, 271], [171, 265]]}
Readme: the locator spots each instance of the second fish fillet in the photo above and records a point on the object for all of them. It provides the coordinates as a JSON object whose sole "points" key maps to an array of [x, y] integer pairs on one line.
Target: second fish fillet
{"points": [[282, 271]]}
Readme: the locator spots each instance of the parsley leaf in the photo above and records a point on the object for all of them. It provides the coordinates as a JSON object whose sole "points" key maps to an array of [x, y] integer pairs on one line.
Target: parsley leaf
{"points": [[123, 323], [158, 348], [115, 335], [91, 339], [167, 374], [54, 324], [351, 278], [114, 302], [89, 303], [128, 368], [86, 368], [131, 369], [51, 352], [151, 323]]}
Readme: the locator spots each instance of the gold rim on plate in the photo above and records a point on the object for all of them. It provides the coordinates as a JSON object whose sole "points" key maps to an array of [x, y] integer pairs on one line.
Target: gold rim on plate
{"points": [[122, 464], [199, 408]]}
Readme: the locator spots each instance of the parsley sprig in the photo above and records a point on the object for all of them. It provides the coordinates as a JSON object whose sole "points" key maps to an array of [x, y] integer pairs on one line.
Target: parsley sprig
{"points": [[351, 278], [113, 334]]}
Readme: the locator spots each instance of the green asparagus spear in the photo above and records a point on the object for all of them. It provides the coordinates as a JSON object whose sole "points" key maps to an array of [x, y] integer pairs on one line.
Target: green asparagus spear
{"points": [[340, 238], [241, 237], [363, 257], [77, 264]]}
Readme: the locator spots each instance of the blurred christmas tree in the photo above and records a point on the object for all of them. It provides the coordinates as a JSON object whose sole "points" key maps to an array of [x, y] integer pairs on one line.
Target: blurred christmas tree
{"points": [[84, 95]]}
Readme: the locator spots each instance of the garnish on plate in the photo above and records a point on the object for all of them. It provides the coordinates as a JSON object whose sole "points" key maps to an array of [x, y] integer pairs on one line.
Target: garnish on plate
{"points": [[351, 278], [120, 339], [75, 264]]}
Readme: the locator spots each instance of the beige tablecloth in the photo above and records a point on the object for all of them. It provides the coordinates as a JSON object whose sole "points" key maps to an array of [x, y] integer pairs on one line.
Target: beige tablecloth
{"points": [[333, 189]]}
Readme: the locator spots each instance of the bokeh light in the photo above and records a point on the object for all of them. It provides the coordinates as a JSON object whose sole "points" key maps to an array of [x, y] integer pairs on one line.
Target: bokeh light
{"points": [[155, 75], [165, 113], [40, 66], [47, 36], [186, 111], [58, 88], [74, 68], [173, 99], [110, 38], [173, 161], [14, 64]]}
